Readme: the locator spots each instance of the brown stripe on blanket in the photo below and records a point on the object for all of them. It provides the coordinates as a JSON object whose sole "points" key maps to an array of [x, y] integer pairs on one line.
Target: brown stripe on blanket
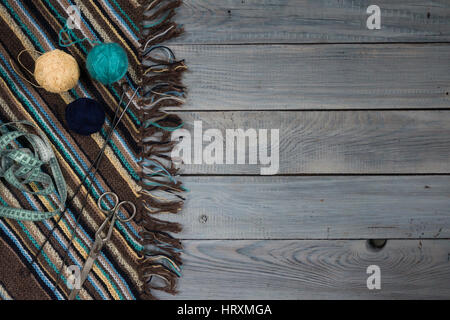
{"points": [[13, 269]]}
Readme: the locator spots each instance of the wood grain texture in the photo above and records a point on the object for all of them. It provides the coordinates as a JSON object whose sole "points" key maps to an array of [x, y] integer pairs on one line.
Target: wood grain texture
{"points": [[294, 212], [319, 21], [295, 77], [362, 142], [315, 207], [299, 269]]}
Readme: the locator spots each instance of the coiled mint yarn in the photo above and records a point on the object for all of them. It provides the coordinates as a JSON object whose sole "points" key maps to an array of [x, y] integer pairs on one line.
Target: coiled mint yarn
{"points": [[107, 63]]}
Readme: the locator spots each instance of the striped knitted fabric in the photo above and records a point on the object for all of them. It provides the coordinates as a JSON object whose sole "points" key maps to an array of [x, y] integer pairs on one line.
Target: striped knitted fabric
{"points": [[137, 164]]}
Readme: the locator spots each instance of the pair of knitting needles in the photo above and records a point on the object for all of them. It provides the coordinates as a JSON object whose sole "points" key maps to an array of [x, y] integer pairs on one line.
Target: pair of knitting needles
{"points": [[95, 165]]}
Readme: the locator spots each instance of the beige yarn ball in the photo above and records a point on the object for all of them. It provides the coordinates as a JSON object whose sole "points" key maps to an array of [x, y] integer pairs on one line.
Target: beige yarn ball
{"points": [[56, 71]]}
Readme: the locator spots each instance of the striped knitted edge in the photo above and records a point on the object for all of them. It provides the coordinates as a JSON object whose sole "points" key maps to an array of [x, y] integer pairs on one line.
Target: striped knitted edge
{"points": [[160, 191]]}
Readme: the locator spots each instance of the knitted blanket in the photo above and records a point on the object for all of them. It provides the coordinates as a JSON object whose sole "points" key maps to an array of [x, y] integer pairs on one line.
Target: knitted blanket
{"points": [[142, 255]]}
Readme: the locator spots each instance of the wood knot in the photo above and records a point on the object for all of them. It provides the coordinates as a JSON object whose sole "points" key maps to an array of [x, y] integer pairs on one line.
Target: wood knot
{"points": [[376, 244], [203, 218]]}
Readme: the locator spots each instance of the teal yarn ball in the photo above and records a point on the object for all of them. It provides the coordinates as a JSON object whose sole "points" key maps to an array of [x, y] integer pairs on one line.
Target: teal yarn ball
{"points": [[107, 63]]}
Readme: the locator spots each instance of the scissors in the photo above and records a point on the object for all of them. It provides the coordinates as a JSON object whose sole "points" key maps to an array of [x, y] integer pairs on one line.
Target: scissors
{"points": [[100, 240]]}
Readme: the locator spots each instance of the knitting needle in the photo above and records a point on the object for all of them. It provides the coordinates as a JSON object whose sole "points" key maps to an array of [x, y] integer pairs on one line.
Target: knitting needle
{"points": [[88, 173], [66, 251]]}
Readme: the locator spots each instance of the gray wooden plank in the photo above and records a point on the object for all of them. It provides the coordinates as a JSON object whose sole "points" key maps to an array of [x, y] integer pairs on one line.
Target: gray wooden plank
{"points": [[315, 207], [319, 21], [254, 77], [299, 269], [333, 142]]}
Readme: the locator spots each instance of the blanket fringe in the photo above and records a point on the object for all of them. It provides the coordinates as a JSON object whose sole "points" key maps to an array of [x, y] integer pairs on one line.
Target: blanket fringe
{"points": [[161, 191]]}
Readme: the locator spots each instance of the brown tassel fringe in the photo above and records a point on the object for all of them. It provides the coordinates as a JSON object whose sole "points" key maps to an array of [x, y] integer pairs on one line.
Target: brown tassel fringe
{"points": [[164, 194]]}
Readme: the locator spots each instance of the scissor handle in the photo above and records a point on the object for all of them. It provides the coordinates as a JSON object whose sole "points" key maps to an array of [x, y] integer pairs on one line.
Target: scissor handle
{"points": [[123, 204], [101, 201], [116, 206]]}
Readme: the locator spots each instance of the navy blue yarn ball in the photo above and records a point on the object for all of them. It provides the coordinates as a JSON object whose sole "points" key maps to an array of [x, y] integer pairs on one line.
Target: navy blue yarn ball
{"points": [[85, 116]]}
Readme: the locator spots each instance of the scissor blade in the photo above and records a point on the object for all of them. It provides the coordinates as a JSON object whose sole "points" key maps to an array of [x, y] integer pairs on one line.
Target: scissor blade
{"points": [[84, 274]]}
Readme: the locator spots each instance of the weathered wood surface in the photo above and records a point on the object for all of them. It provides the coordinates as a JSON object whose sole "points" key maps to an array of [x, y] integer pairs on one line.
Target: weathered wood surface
{"points": [[318, 21], [299, 269], [295, 77], [315, 207], [294, 212], [322, 142]]}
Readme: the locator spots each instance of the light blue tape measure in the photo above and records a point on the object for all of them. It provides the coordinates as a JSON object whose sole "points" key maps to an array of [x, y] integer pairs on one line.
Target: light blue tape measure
{"points": [[21, 166]]}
